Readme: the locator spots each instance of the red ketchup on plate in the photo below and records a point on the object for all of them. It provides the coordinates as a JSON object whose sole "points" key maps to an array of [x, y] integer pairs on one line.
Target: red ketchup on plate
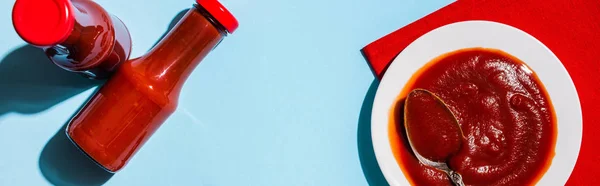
{"points": [[505, 114], [77, 35], [143, 92]]}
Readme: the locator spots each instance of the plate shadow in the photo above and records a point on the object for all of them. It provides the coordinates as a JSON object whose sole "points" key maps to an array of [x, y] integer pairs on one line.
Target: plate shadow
{"points": [[366, 152]]}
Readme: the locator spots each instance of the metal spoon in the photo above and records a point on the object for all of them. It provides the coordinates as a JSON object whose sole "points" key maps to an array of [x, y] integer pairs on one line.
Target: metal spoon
{"points": [[455, 177]]}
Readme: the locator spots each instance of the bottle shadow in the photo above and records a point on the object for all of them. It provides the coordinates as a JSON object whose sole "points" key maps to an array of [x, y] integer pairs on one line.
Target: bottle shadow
{"points": [[366, 152], [172, 24], [62, 163], [30, 83]]}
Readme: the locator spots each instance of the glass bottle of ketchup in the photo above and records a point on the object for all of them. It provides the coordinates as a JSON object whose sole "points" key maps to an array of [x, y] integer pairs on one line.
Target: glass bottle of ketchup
{"points": [[77, 35], [143, 92]]}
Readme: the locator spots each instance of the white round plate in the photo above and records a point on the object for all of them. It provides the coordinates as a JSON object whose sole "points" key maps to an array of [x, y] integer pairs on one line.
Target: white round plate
{"points": [[485, 34]]}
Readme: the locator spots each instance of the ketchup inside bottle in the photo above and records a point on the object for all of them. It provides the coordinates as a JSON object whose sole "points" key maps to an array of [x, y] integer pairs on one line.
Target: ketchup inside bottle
{"points": [[77, 35], [144, 92]]}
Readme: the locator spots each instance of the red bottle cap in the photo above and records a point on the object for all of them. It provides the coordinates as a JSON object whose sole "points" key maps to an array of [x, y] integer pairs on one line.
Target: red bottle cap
{"points": [[43, 22], [220, 13]]}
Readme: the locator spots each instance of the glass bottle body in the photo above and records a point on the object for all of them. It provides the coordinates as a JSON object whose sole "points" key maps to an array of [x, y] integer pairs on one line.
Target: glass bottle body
{"points": [[143, 93]]}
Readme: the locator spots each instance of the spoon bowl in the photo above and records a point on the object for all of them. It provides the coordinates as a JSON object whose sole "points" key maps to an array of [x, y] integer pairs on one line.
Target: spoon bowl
{"points": [[433, 132]]}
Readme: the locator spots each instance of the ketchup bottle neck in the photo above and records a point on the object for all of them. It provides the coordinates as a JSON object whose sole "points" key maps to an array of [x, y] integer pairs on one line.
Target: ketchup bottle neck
{"points": [[91, 40], [173, 59]]}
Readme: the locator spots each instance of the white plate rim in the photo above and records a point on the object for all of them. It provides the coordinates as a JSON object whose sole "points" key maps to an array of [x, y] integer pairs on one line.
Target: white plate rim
{"points": [[487, 34]]}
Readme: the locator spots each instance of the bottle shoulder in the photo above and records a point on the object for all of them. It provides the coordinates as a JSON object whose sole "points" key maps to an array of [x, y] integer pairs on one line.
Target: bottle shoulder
{"points": [[136, 75]]}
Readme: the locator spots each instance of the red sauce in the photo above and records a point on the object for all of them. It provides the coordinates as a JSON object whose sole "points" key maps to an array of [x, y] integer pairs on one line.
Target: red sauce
{"points": [[143, 93], [432, 128], [503, 110]]}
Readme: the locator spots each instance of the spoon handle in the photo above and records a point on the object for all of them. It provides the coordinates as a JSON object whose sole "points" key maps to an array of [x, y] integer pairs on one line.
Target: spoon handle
{"points": [[456, 178]]}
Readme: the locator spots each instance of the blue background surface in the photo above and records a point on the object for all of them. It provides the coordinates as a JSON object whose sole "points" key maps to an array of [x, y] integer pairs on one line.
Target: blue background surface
{"points": [[283, 101]]}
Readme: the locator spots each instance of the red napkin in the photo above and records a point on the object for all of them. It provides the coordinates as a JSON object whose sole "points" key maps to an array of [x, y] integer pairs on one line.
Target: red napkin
{"points": [[570, 28]]}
